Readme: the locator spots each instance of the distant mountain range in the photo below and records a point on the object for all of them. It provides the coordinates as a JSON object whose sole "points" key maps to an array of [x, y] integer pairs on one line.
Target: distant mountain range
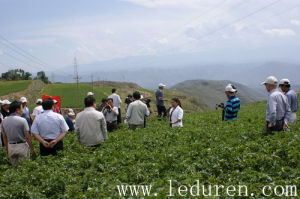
{"points": [[126, 70], [211, 92]]}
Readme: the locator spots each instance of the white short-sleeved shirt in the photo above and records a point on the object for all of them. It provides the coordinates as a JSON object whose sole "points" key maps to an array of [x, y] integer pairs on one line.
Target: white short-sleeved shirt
{"points": [[49, 125], [176, 115], [117, 99], [37, 110]]}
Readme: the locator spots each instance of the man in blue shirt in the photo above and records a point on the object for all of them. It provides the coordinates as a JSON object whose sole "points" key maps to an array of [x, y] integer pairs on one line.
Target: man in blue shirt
{"points": [[232, 105], [69, 119], [26, 112], [161, 109], [292, 97]]}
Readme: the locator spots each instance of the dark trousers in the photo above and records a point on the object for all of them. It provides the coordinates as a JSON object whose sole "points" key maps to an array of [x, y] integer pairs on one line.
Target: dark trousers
{"points": [[161, 111], [119, 117], [51, 151], [111, 126], [278, 127]]}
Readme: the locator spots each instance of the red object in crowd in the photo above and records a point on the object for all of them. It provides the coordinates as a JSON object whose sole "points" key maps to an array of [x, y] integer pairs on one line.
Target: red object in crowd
{"points": [[57, 98]]}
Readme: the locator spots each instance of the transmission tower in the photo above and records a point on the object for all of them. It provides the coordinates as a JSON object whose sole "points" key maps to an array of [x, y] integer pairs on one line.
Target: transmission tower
{"points": [[77, 78]]}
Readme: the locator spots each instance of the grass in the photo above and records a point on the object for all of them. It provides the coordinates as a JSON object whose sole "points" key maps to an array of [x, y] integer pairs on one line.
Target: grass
{"points": [[205, 149], [8, 87], [68, 93]]}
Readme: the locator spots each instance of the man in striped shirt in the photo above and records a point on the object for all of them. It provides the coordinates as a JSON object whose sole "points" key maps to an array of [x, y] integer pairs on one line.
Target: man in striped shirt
{"points": [[233, 104]]}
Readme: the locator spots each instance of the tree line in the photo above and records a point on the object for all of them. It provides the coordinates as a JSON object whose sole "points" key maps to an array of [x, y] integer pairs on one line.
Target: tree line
{"points": [[20, 74]]}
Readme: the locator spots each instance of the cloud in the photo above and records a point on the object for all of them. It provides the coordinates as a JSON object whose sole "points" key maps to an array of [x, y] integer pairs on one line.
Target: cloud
{"points": [[173, 3], [1, 52], [295, 22], [280, 32]]}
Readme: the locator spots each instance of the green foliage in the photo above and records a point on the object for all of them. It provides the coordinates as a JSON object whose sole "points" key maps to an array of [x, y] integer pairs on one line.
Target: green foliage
{"points": [[41, 75], [7, 87], [16, 74], [68, 93], [206, 149]]}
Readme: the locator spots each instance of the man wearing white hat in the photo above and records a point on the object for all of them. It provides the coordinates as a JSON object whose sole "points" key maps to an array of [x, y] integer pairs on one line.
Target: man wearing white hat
{"points": [[160, 101], [233, 104], [278, 108], [26, 112], [292, 97], [70, 120], [90, 94], [5, 108], [38, 109]]}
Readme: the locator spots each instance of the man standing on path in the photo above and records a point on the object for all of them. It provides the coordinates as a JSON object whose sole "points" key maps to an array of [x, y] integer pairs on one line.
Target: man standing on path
{"points": [[292, 97], [16, 137], [117, 103], [160, 101], [90, 125], [136, 113], [49, 129], [278, 108]]}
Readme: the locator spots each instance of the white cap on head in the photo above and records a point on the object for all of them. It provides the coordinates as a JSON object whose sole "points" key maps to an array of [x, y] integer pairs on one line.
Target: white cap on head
{"points": [[6, 102], [90, 94], [71, 113], [285, 82], [55, 101], [39, 101], [230, 88], [23, 99], [161, 85], [270, 80]]}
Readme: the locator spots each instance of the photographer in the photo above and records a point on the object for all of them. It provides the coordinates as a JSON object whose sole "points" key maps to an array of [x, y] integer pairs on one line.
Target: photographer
{"points": [[111, 115]]}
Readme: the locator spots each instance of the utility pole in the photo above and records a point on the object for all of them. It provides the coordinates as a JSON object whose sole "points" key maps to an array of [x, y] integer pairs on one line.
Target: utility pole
{"points": [[77, 78], [92, 80]]}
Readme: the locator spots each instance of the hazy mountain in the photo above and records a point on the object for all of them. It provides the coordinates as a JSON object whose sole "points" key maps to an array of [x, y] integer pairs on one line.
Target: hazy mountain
{"points": [[211, 92]]}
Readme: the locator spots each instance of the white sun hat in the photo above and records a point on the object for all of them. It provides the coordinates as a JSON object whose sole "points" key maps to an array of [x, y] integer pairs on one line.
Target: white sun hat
{"points": [[6, 102], [270, 80], [161, 85], [39, 101], [55, 101], [90, 94], [284, 82], [230, 88], [23, 99]]}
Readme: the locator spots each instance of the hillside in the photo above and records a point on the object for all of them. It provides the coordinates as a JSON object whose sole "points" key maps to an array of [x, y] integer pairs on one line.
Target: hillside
{"points": [[205, 149], [7, 87], [116, 84], [212, 92]]}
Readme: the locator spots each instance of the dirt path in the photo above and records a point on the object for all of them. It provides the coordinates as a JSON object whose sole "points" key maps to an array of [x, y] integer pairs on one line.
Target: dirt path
{"points": [[31, 93]]}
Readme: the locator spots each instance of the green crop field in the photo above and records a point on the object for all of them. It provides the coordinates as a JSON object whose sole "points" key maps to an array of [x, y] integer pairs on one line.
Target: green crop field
{"points": [[205, 149], [68, 93], [7, 87]]}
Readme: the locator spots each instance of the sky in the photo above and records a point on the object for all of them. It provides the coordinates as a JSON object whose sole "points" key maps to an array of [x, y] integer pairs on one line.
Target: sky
{"points": [[47, 35]]}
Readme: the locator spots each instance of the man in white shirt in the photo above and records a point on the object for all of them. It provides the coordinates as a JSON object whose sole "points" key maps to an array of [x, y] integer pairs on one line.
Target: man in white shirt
{"points": [[110, 113], [90, 125], [49, 129], [117, 103], [176, 113], [38, 109], [136, 113]]}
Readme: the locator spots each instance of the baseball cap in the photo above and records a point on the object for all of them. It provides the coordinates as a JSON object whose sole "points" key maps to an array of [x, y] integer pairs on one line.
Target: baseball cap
{"points": [[90, 94], [270, 80], [284, 82], [54, 101], [39, 101], [23, 99], [6, 102], [230, 88], [71, 113], [161, 85]]}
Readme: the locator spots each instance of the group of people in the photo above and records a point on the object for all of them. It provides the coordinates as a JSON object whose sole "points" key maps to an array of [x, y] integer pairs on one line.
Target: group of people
{"points": [[47, 124]]}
